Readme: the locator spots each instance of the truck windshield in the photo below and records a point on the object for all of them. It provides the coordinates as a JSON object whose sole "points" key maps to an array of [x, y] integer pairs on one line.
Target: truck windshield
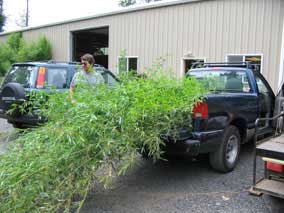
{"points": [[222, 80], [24, 75]]}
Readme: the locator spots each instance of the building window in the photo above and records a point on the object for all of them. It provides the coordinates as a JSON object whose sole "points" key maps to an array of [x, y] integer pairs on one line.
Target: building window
{"points": [[188, 62], [252, 58], [128, 63]]}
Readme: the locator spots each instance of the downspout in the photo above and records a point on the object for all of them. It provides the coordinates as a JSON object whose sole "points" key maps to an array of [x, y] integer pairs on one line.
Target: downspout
{"points": [[281, 69]]}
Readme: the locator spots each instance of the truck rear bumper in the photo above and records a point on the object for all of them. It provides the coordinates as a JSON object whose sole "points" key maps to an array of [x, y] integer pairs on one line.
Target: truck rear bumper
{"points": [[196, 143]]}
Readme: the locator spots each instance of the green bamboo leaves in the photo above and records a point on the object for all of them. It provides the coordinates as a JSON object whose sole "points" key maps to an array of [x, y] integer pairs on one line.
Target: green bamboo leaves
{"points": [[52, 167]]}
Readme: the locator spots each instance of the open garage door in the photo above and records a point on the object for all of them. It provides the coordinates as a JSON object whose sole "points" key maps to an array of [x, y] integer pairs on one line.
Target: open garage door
{"points": [[93, 41]]}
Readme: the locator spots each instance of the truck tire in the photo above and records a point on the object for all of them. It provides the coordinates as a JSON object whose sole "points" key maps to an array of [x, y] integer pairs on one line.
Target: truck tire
{"points": [[226, 157]]}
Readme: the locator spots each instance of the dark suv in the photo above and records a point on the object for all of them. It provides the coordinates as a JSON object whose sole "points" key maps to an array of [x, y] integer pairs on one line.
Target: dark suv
{"points": [[24, 78]]}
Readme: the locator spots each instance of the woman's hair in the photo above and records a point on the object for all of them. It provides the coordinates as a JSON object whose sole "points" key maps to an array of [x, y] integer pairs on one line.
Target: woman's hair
{"points": [[88, 57]]}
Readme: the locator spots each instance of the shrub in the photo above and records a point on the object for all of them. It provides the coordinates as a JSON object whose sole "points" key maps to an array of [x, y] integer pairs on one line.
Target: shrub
{"points": [[97, 137], [35, 51], [17, 50], [6, 55]]}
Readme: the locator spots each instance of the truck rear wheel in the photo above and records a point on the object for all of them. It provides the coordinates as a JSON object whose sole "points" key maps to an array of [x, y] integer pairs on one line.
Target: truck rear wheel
{"points": [[226, 157]]}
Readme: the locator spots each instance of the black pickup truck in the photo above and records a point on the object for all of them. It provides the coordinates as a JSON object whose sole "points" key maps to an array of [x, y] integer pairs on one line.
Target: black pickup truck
{"points": [[239, 94]]}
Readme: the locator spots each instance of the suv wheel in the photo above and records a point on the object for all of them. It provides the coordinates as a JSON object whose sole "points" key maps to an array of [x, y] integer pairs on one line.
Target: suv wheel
{"points": [[17, 125], [226, 157], [12, 93]]}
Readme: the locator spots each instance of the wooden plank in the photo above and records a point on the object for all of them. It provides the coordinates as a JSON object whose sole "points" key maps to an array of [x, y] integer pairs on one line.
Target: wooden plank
{"points": [[273, 148], [271, 187]]}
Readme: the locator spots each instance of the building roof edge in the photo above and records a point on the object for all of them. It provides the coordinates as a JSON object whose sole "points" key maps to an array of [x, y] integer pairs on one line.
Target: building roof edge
{"points": [[113, 13]]}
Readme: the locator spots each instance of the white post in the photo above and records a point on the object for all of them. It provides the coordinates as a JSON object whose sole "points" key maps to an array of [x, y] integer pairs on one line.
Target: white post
{"points": [[281, 69]]}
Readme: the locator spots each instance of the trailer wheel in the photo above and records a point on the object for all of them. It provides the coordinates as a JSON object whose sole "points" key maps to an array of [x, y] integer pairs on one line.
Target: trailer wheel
{"points": [[226, 157]]}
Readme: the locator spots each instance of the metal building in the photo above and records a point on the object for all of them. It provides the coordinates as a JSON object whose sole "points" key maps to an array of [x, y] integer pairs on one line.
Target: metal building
{"points": [[180, 32]]}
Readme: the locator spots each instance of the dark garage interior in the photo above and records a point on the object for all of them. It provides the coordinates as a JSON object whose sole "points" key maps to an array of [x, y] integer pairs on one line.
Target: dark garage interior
{"points": [[93, 41]]}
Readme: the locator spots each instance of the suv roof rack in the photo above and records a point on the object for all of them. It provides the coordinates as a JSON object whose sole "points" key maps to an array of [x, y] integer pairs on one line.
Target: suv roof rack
{"points": [[246, 64], [66, 62]]}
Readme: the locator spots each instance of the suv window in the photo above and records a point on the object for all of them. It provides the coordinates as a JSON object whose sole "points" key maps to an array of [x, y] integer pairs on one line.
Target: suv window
{"points": [[108, 77], [56, 77], [223, 80], [24, 75]]}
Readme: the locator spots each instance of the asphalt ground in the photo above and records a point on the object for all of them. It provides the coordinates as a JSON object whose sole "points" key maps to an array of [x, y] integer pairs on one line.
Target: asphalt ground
{"points": [[178, 185]]}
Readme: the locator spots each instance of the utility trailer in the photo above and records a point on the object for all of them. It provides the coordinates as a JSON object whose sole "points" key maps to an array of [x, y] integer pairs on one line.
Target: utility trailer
{"points": [[271, 151]]}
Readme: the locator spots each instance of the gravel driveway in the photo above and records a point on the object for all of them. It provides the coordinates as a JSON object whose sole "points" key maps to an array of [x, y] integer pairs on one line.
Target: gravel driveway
{"points": [[5, 132], [5, 126], [184, 186]]}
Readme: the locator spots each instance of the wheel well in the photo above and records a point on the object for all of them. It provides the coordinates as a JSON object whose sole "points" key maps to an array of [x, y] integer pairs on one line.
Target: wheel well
{"points": [[242, 126]]}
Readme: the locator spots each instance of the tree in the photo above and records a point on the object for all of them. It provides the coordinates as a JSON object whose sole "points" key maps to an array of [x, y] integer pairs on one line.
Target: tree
{"points": [[23, 20], [148, 1], [2, 17], [15, 49], [126, 3]]}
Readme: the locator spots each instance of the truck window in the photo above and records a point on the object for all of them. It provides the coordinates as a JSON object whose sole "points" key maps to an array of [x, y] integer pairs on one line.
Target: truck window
{"points": [[261, 86], [226, 81], [266, 101]]}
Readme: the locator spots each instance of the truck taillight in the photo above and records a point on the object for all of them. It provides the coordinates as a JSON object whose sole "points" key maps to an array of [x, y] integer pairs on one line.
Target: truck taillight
{"points": [[40, 78], [200, 110]]}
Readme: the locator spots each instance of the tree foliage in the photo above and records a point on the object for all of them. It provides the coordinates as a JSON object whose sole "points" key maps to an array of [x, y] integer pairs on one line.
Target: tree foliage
{"points": [[126, 3], [17, 50], [23, 20], [2, 17], [35, 51], [148, 1], [52, 168]]}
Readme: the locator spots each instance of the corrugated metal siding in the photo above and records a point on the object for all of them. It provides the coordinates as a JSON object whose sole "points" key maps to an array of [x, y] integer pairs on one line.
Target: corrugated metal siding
{"points": [[209, 29], [3, 38], [60, 35]]}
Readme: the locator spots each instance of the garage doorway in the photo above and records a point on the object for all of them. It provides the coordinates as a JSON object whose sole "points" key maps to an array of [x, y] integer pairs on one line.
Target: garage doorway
{"points": [[94, 41], [188, 62]]}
